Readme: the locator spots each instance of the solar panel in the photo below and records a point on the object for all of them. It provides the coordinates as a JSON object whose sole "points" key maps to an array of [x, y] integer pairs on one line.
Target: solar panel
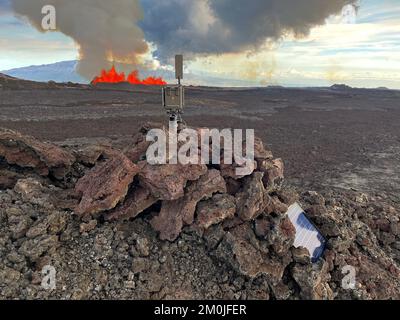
{"points": [[307, 235]]}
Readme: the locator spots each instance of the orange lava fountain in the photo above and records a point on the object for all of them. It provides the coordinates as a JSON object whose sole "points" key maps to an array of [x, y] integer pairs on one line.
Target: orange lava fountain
{"points": [[112, 76]]}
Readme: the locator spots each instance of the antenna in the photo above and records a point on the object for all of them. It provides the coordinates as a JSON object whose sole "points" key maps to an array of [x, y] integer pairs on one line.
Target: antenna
{"points": [[179, 68]]}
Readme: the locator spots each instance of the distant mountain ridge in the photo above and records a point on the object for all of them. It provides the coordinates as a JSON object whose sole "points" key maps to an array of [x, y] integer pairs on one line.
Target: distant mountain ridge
{"points": [[65, 71]]}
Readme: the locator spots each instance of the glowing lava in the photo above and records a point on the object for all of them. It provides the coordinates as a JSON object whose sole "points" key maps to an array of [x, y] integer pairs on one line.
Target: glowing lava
{"points": [[112, 76]]}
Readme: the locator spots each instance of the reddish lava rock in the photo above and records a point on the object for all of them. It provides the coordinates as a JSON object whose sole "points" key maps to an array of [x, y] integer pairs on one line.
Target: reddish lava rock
{"points": [[135, 203], [28, 152], [252, 200], [216, 210], [175, 214], [167, 182], [105, 186]]}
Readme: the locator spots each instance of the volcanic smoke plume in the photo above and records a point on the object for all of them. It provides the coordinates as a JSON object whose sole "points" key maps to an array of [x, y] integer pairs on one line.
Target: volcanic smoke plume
{"points": [[118, 31], [104, 30], [202, 27]]}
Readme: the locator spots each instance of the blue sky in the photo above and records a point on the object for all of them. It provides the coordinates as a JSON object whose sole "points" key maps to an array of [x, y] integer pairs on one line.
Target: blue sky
{"points": [[362, 51]]}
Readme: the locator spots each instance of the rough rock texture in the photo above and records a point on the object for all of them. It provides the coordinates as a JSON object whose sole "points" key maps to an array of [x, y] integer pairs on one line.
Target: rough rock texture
{"points": [[167, 182], [8, 179], [229, 238], [229, 170], [355, 238], [252, 200], [262, 157], [260, 152], [27, 152], [215, 210], [313, 281], [89, 155], [175, 214], [139, 147], [273, 173], [135, 203], [106, 185], [249, 256]]}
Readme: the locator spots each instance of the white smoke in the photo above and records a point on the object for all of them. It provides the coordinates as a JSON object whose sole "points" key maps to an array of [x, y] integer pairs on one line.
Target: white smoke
{"points": [[104, 30], [117, 30]]}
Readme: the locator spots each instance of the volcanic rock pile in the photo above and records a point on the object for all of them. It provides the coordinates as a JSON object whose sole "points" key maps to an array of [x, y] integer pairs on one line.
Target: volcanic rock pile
{"points": [[124, 186], [122, 222]]}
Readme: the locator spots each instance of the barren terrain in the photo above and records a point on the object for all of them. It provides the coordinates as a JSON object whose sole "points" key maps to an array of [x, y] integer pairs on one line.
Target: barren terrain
{"points": [[343, 143], [346, 138]]}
